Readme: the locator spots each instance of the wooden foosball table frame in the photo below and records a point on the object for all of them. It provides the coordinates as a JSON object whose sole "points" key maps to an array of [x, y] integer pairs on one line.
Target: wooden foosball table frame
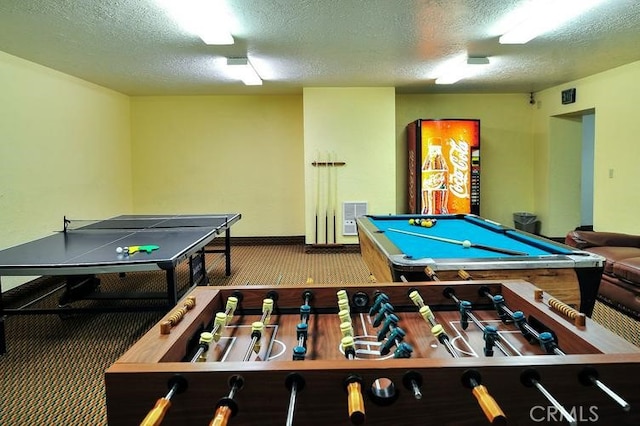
{"points": [[160, 359]]}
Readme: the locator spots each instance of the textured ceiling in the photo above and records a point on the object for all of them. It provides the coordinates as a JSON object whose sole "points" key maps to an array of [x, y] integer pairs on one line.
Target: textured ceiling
{"points": [[132, 46]]}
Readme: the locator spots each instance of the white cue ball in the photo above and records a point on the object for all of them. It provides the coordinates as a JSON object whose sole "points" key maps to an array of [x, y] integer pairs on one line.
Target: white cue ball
{"points": [[466, 244], [119, 250]]}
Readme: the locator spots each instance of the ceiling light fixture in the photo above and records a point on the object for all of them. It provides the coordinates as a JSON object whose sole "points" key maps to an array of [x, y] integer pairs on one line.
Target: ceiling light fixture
{"points": [[243, 70], [543, 16], [458, 70], [205, 18]]}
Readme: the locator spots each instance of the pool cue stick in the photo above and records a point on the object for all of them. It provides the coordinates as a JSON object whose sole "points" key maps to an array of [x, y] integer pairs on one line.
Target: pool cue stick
{"points": [[317, 193], [452, 241], [326, 202], [335, 194]]}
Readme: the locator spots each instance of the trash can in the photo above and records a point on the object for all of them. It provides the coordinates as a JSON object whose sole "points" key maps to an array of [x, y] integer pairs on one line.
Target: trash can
{"points": [[525, 222]]}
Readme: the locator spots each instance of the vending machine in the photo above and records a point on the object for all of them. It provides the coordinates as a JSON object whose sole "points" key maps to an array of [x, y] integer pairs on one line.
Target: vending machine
{"points": [[444, 166]]}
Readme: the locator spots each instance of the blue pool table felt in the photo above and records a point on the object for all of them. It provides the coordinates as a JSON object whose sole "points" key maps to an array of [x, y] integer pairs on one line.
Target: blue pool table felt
{"points": [[474, 229]]}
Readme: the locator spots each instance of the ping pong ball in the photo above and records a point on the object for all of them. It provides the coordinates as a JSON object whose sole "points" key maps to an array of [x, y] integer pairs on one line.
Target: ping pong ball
{"points": [[466, 244], [119, 250]]}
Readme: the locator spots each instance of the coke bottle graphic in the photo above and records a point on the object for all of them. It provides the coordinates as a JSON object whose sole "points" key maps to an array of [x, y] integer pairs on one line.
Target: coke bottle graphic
{"points": [[435, 180]]}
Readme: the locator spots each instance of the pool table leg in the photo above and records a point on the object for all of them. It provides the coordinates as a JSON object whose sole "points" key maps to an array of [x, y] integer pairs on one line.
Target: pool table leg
{"points": [[589, 280]]}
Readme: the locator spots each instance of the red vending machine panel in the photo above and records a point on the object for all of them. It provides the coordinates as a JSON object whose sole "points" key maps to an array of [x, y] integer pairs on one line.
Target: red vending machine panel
{"points": [[444, 166]]}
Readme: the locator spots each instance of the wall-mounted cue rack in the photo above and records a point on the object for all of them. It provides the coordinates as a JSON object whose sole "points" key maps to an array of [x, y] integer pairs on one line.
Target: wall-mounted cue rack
{"points": [[326, 199], [328, 163]]}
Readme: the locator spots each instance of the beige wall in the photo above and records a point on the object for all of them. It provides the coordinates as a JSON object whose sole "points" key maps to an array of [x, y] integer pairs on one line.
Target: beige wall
{"points": [[357, 125], [217, 154], [64, 150], [72, 148], [506, 150], [613, 96]]}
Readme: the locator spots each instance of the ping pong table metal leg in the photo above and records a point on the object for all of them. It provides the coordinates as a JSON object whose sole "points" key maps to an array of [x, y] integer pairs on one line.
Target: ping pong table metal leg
{"points": [[227, 250], [172, 289]]}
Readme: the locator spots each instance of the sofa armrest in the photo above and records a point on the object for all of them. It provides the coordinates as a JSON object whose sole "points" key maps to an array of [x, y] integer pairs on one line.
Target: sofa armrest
{"points": [[586, 239]]}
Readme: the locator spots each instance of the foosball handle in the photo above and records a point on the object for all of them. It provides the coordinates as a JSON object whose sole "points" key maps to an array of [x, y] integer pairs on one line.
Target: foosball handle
{"points": [[489, 406], [222, 416], [155, 416], [355, 401]]}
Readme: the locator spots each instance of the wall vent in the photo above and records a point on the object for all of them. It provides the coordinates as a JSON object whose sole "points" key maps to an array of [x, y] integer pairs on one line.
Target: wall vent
{"points": [[350, 211]]}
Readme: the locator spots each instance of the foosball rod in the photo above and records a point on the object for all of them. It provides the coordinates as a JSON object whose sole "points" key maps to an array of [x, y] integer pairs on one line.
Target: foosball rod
{"points": [[385, 311], [355, 401], [157, 413], [487, 403], [546, 341], [154, 417], [436, 329], [295, 383], [587, 377], [220, 320], [465, 309], [530, 378], [300, 351], [227, 407]]}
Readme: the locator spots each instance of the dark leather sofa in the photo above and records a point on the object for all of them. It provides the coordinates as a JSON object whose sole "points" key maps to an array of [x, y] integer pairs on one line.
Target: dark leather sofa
{"points": [[620, 284]]}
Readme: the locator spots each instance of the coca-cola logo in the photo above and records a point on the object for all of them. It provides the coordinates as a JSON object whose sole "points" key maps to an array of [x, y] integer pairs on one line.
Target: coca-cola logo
{"points": [[458, 177]]}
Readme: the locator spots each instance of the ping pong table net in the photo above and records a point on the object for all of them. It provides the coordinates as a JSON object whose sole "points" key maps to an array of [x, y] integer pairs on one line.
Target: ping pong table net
{"points": [[145, 222]]}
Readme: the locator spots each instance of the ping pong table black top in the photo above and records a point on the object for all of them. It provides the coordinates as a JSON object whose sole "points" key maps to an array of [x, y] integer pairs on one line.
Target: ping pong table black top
{"points": [[86, 248], [91, 248]]}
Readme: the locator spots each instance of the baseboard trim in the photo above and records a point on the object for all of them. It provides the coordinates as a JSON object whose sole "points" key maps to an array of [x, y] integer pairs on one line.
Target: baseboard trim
{"points": [[331, 248], [262, 241], [289, 240]]}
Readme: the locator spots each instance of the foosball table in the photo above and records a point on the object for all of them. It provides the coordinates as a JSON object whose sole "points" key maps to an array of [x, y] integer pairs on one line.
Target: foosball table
{"points": [[456, 352]]}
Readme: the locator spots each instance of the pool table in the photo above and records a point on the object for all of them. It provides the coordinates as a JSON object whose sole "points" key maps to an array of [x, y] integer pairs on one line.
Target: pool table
{"points": [[395, 250]]}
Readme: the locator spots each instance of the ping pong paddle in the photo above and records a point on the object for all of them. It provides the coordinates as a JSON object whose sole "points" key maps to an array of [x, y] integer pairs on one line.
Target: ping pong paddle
{"points": [[147, 249]]}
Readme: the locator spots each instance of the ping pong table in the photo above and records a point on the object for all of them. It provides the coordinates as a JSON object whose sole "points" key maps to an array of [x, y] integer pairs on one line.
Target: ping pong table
{"points": [[95, 247]]}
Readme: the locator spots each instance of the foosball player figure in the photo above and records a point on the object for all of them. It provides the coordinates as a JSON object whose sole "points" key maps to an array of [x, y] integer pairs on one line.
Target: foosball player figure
{"points": [[547, 342], [230, 308], [267, 309], [300, 351], [256, 333], [521, 322], [346, 328], [385, 309], [499, 304], [390, 322], [464, 308], [379, 300], [348, 345], [205, 340], [490, 335], [219, 323]]}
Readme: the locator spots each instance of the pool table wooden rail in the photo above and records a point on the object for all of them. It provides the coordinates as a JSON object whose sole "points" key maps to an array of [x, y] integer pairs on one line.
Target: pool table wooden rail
{"points": [[554, 274]]}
